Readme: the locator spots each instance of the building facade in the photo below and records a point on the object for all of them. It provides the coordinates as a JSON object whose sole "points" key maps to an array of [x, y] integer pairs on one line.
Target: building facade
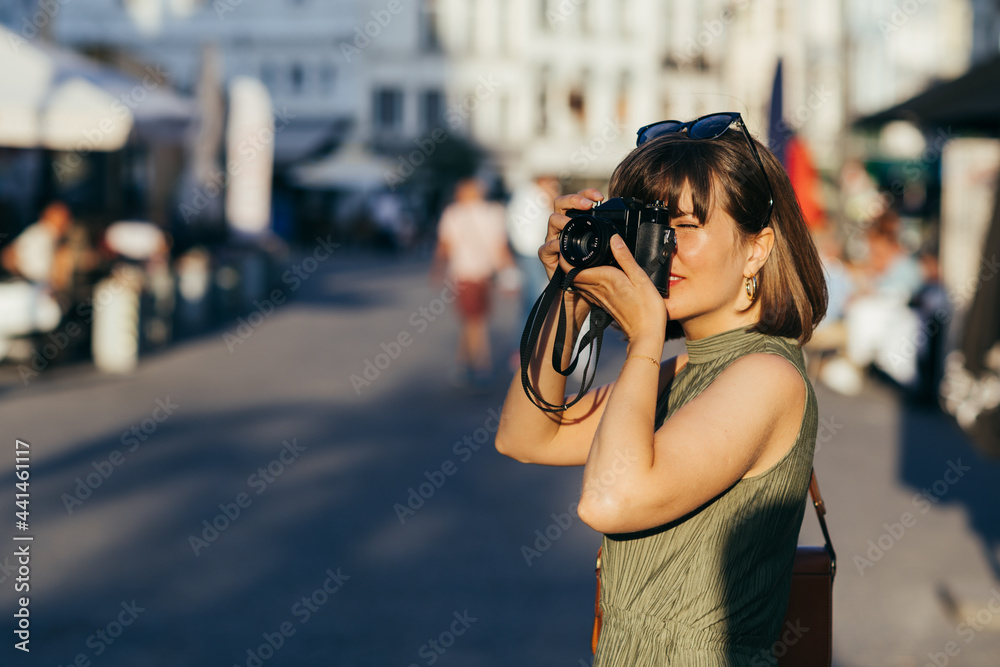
{"points": [[290, 45], [560, 86], [554, 86]]}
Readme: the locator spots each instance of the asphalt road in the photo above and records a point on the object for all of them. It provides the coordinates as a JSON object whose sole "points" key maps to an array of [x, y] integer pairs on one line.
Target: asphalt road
{"points": [[242, 500]]}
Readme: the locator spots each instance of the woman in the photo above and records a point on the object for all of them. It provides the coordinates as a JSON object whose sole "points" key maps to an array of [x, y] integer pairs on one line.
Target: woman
{"points": [[695, 468]]}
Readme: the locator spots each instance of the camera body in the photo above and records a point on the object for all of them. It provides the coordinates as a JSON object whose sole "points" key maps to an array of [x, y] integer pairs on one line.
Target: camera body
{"points": [[586, 239]]}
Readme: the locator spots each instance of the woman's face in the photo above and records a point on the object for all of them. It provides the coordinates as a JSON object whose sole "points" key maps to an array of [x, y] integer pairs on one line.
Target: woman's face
{"points": [[707, 273]]}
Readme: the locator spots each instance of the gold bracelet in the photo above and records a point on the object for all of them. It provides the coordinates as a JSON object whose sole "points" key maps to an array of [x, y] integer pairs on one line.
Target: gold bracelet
{"points": [[640, 356]]}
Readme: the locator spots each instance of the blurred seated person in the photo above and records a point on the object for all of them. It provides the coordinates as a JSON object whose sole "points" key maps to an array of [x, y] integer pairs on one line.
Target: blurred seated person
{"points": [[40, 263], [145, 244], [831, 334], [138, 241], [39, 253], [393, 226], [881, 328]]}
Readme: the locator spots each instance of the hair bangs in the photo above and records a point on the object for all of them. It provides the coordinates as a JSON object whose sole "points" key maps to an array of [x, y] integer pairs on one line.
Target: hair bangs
{"points": [[660, 170], [721, 174]]}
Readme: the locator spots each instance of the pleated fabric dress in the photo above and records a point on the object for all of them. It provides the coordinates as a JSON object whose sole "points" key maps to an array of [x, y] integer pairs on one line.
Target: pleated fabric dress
{"points": [[711, 589]]}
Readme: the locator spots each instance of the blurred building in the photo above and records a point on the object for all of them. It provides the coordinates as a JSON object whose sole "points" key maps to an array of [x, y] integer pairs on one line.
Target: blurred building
{"points": [[108, 142], [561, 85], [985, 29], [554, 86], [290, 45]]}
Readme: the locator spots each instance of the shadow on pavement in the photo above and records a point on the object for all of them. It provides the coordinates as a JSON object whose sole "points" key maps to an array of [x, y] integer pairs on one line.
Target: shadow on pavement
{"points": [[407, 589], [941, 465]]}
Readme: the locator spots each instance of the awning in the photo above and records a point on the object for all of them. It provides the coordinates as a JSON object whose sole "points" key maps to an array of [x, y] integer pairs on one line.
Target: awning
{"points": [[969, 103], [57, 99], [351, 168]]}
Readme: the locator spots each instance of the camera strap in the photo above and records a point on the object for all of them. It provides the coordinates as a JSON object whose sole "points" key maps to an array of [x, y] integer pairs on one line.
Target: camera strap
{"points": [[599, 321]]}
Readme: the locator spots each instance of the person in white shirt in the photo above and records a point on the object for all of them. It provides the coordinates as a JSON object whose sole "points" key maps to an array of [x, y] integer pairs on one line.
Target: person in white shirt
{"points": [[39, 265], [472, 245], [527, 222], [34, 254]]}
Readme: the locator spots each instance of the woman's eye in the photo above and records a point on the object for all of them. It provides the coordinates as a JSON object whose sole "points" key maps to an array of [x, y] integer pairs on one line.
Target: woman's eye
{"points": [[686, 226]]}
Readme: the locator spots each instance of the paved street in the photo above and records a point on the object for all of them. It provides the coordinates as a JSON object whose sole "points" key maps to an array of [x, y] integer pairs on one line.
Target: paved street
{"points": [[317, 493]]}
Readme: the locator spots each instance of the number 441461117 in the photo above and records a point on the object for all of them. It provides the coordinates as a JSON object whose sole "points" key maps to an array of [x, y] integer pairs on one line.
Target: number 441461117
{"points": [[23, 473]]}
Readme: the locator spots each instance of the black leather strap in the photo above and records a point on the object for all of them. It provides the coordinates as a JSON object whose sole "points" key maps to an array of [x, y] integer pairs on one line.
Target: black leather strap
{"points": [[599, 321]]}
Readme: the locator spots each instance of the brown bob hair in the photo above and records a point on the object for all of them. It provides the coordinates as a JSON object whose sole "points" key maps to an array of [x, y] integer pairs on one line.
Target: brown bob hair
{"points": [[723, 172]]}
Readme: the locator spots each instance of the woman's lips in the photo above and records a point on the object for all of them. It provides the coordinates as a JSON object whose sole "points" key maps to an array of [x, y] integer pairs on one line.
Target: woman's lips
{"points": [[674, 278]]}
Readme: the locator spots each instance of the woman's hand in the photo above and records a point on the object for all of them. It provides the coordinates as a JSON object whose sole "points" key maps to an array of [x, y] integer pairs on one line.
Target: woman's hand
{"points": [[549, 252], [627, 294]]}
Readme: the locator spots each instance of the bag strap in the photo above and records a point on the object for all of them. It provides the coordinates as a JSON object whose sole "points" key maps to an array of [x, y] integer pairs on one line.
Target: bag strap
{"points": [[598, 614], [821, 514]]}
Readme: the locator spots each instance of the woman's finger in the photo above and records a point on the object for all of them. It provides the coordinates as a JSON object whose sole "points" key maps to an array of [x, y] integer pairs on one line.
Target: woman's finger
{"points": [[627, 295], [627, 274], [626, 261], [548, 253], [583, 200], [549, 248], [556, 222], [563, 264]]}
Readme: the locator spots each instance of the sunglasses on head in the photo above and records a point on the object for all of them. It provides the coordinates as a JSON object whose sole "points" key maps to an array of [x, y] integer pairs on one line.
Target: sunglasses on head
{"points": [[711, 126]]}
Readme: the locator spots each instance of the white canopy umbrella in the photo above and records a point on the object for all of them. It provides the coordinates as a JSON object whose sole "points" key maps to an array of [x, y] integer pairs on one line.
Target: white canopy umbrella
{"points": [[56, 99], [351, 168]]}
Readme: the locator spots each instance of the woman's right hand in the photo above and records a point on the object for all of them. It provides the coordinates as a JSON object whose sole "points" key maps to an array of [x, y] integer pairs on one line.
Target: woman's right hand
{"points": [[549, 252]]}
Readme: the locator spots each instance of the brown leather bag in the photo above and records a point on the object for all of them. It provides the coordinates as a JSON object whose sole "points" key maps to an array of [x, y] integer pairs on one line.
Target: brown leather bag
{"points": [[806, 638]]}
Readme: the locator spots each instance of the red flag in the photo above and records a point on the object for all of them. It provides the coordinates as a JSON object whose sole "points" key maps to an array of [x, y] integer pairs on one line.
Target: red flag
{"points": [[805, 181]]}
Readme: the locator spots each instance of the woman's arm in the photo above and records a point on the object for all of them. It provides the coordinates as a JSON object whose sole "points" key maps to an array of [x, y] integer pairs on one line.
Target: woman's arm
{"points": [[533, 436], [527, 433], [742, 424]]}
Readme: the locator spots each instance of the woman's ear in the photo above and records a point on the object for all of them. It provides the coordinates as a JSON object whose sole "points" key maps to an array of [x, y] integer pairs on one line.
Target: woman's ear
{"points": [[759, 251]]}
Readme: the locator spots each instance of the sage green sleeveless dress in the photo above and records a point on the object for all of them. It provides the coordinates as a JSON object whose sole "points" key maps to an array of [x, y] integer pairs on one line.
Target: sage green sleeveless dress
{"points": [[711, 589]]}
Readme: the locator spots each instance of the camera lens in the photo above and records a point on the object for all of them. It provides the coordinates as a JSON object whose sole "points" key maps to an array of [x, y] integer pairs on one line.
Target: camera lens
{"points": [[585, 241], [583, 244]]}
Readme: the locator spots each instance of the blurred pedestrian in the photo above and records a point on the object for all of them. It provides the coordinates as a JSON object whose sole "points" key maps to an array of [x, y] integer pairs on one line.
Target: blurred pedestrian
{"points": [[528, 212], [527, 221], [472, 249], [933, 309]]}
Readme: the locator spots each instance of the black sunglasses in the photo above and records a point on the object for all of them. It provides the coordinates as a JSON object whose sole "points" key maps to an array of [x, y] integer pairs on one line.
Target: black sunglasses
{"points": [[711, 126]]}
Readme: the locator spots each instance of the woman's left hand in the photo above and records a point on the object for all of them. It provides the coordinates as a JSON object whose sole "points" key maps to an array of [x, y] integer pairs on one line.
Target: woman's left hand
{"points": [[627, 294]]}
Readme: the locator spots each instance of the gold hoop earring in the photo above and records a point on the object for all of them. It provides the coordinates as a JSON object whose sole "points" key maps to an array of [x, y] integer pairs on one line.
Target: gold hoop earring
{"points": [[751, 288]]}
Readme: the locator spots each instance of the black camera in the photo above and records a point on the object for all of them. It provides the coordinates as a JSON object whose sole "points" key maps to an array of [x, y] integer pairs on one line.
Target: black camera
{"points": [[586, 239]]}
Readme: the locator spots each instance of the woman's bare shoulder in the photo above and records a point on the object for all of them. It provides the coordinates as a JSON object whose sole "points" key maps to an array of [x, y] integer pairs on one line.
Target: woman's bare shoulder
{"points": [[776, 380]]}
